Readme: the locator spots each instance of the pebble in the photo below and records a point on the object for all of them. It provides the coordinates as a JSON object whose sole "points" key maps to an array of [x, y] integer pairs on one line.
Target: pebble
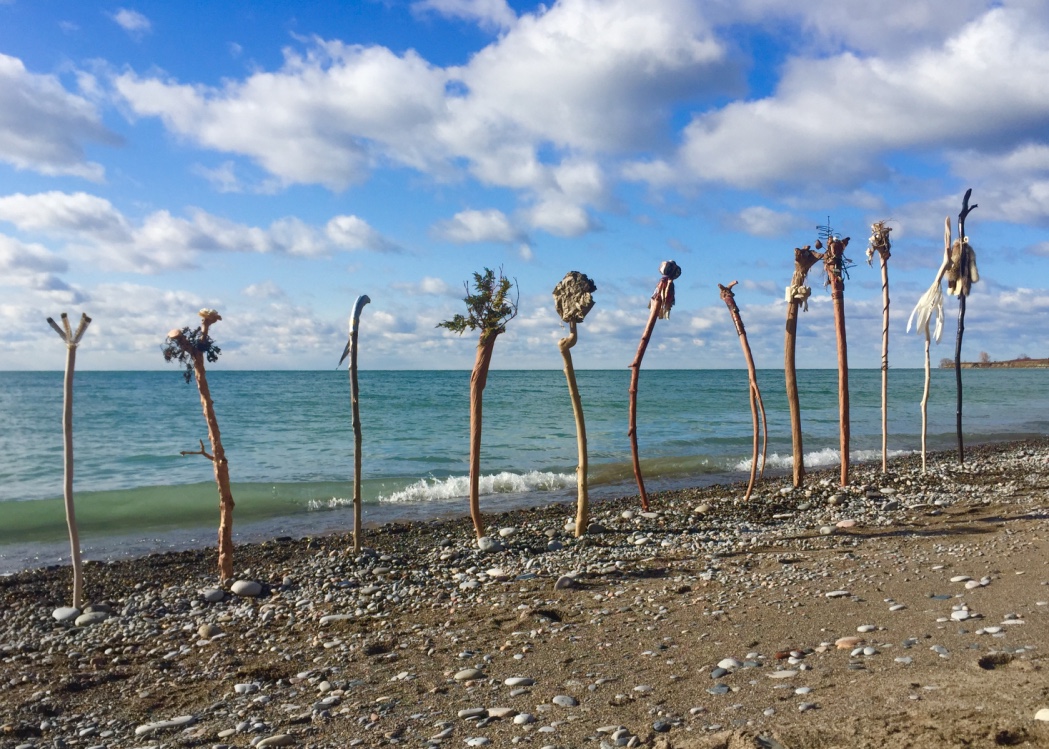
{"points": [[519, 681], [148, 729], [867, 628], [207, 631], [473, 712], [91, 617], [564, 700], [524, 719], [501, 712], [65, 613], [280, 739], [730, 664], [478, 741], [507, 532], [565, 582], [783, 674], [246, 588], [213, 595], [469, 674], [848, 643], [837, 594], [489, 545], [1042, 714]]}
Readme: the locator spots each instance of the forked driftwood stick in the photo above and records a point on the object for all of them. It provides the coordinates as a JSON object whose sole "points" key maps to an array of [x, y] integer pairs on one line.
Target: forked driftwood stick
{"points": [[756, 403], [880, 243], [573, 299], [797, 297], [351, 351], [930, 304], [963, 274], [659, 306], [72, 340], [834, 261]]}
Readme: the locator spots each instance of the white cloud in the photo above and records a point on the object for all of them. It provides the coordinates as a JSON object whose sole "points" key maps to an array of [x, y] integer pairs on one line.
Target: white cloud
{"points": [[92, 226], [560, 217], [762, 221], [132, 22], [43, 127], [263, 290], [491, 225], [488, 14], [18, 257], [830, 119]]}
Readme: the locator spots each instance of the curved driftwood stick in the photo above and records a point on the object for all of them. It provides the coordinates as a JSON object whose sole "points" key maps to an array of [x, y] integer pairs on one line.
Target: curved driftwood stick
{"points": [[797, 295], [582, 518], [351, 349], [71, 339], [756, 403], [478, 380], [659, 306]]}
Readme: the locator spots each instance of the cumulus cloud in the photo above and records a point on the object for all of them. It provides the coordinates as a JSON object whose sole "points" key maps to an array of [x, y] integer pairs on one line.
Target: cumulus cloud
{"points": [[488, 14], [762, 221], [163, 242], [43, 127], [133, 22], [490, 225]]}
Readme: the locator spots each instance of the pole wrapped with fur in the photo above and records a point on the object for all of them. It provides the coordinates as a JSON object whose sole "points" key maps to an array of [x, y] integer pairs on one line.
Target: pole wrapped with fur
{"points": [[960, 277], [797, 298], [835, 263], [879, 243], [756, 404], [659, 307]]}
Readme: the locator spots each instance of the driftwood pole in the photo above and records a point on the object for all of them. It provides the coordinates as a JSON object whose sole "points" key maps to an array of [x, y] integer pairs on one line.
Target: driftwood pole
{"points": [[71, 339], [191, 348], [797, 296], [930, 304], [573, 299], [488, 310], [756, 403], [351, 351], [835, 263], [659, 305], [961, 276], [879, 243]]}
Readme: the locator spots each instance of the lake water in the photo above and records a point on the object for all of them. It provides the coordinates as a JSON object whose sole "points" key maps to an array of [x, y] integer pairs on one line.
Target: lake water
{"points": [[289, 443]]}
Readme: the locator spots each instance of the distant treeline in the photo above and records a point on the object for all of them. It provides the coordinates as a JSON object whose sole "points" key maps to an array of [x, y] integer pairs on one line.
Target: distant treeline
{"points": [[1021, 362]]}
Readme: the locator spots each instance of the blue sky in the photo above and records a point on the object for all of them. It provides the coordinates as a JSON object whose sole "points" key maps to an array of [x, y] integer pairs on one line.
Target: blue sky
{"points": [[275, 160]]}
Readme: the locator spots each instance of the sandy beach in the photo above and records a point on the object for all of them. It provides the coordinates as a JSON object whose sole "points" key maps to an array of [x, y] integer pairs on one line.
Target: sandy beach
{"points": [[907, 610]]}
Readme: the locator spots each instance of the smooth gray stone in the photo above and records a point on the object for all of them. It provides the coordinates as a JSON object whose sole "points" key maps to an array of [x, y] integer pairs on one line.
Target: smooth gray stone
{"points": [[469, 674], [564, 700], [247, 588], [65, 613], [213, 595], [280, 739], [147, 729], [86, 620]]}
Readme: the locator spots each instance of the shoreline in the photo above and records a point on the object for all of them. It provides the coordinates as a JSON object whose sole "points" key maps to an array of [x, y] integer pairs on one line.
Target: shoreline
{"points": [[706, 623]]}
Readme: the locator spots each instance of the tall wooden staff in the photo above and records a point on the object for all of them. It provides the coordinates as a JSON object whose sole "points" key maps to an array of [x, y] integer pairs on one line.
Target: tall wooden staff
{"points": [[797, 296], [879, 243], [573, 299], [351, 351], [756, 403], [961, 276], [659, 305], [835, 263], [930, 304], [71, 339], [190, 347]]}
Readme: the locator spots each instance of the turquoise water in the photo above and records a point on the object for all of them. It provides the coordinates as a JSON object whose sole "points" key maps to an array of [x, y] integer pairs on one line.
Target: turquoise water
{"points": [[289, 443]]}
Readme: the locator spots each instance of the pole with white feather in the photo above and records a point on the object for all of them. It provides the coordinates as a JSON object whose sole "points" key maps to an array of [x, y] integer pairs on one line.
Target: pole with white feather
{"points": [[879, 243], [351, 351], [930, 304]]}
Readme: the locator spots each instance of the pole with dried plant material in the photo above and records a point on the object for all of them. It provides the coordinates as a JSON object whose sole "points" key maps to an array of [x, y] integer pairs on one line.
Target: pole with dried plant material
{"points": [[797, 297], [930, 305], [961, 276], [659, 306], [72, 340], [489, 309], [756, 403], [879, 243], [190, 347], [835, 263], [573, 299], [351, 351]]}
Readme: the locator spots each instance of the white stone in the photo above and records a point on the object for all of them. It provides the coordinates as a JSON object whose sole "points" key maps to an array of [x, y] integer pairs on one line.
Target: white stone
{"points": [[65, 613], [960, 578], [507, 532], [280, 739], [523, 719], [1042, 714], [960, 616], [469, 674], [488, 544], [866, 628], [182, 721], [246, 588], [564, 700], [729, 664], [783, 674], [519, 681], [329, 618], [501, 712], [837, 594], [94, 617]]}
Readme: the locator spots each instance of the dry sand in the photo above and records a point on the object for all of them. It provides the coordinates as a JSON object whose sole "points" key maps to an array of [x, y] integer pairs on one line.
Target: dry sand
{"points": [[624, 628]]}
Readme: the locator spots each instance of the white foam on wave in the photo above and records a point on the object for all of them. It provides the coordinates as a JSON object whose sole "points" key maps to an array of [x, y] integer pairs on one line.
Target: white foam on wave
{"points": [[455, 487], [828, 456]]}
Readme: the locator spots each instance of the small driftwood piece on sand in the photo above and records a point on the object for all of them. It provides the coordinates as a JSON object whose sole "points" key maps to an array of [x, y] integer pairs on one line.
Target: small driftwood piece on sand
{"points": [[960, 278], [756, 403], [931, 305], [659, 306], [879, 243], [355, 409], [72, 340], [835, 263], [190, 347], [573, 299], [489, 309], [797, 297]]}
